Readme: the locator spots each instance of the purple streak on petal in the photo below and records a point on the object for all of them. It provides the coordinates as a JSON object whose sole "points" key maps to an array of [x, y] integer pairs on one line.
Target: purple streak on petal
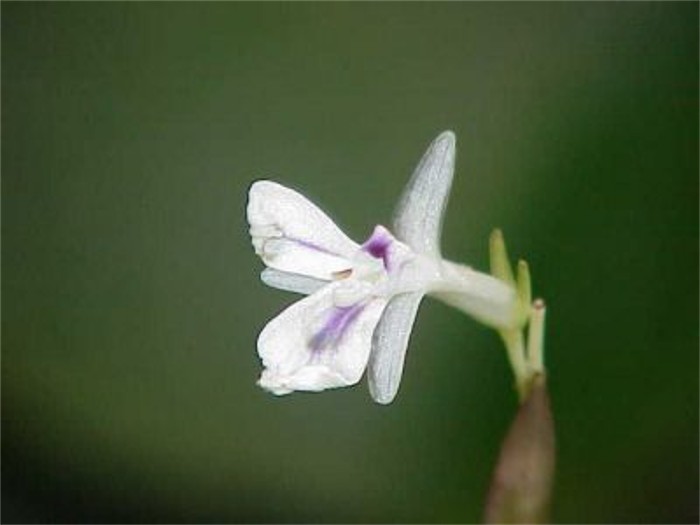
{"points": [[335, 327], [310, 245], [378, 245]]}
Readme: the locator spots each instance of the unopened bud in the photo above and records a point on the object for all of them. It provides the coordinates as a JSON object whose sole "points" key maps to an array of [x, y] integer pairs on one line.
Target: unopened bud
{"points": [[521, 486]]}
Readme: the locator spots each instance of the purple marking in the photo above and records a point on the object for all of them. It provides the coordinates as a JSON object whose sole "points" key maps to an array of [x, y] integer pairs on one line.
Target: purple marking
{"points": [[378, 245], [335, 327], [310, 245]]}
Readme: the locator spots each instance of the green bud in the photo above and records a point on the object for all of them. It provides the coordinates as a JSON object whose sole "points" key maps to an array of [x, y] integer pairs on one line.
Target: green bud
{"points": [[524, 287], [500, 264]]}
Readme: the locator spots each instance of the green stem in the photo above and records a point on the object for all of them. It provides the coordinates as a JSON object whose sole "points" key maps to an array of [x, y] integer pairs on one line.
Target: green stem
{"points": [[514, 343], [535, 343]]}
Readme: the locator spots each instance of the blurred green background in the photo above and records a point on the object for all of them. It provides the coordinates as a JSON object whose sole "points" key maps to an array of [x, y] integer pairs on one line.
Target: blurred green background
{"points": [[131, 299]]}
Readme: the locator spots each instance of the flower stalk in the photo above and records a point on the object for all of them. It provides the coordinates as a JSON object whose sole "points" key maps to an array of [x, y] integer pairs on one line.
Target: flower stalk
{"points": [[521, 484], [525, 361]]}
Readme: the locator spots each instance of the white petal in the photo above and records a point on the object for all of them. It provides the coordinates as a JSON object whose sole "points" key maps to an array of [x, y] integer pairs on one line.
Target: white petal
{"points": [[291, 282], [314, 345], [419, 214], [389, 346], [496, 314], [293, 235], [480, 295]]}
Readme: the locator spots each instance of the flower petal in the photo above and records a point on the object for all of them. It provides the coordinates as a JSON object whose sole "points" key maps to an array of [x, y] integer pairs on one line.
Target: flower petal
{"points": [[293, 235], [389, 346], [291, 282], [480, 295], [419, 214], [314, 344]]}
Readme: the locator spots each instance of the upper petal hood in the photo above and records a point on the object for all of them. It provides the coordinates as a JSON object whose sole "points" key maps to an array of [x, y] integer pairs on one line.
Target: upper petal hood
{"points": [[293, 235]]}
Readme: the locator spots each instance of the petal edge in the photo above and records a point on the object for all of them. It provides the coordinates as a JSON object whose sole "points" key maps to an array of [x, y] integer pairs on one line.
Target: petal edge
{"points": [[389, 344], [419, 214], [291, 282]]}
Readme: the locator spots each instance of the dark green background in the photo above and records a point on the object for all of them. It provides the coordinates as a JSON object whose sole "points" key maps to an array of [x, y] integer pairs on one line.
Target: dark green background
{"points": [[131, 299]]}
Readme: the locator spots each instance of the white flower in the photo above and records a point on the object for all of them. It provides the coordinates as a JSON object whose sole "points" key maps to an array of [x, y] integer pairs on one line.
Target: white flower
{"points": [[362, 299]]}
